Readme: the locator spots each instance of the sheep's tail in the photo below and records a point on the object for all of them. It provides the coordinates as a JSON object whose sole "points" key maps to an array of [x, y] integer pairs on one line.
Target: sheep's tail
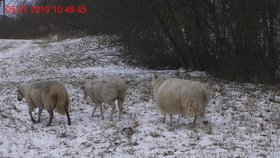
{"points": [[205, 100], [61, 104], [206, 97], [121, 88]]}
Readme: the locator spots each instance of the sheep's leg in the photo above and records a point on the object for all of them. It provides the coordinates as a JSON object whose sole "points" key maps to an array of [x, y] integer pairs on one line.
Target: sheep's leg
{"points": [[32, 119], [113, 105], [120, 105], [68, 117], [39, 114], [94, 109], [31, 108], [171, 119], [178, 118], [51, 117], [101, 111], [194, 120], [164, 117]]}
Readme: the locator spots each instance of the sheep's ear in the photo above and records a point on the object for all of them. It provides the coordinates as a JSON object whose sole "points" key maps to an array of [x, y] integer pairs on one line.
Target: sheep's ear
{"points": [[18, 87], [126, 82], [156, 76]]}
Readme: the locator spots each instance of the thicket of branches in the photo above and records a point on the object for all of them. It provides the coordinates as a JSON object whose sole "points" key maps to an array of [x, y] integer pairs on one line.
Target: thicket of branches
{"points": [[236, 39]]}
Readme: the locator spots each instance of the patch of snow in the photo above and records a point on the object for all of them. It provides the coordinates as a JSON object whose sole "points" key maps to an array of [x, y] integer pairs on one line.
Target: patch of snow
{"points": [[198, 74], [243, 119]]}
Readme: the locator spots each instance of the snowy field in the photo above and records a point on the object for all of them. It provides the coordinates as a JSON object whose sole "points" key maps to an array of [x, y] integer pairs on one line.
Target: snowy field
{"points": [[243, 119]]}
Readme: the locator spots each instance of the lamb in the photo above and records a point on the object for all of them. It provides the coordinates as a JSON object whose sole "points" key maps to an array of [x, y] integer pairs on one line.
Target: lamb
{"points": [[106, 90], [177, 96], [50, 95]]}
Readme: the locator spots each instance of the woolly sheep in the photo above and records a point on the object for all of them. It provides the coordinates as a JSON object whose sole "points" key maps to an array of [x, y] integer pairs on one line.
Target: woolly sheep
{"points": [[106, 90], [50, 95], [177, 96]]}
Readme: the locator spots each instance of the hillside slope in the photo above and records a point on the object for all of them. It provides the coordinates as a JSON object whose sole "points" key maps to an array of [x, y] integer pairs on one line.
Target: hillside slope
{"points": [[243, 119]]}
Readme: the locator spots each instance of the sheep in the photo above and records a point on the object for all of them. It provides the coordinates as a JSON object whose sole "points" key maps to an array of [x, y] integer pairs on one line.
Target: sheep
{"points": [[49, 94], [106, 90], [177, 96]]}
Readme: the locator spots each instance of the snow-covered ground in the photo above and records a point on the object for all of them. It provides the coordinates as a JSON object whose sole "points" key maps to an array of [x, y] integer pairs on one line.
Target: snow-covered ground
{"points": [[243, 119]]}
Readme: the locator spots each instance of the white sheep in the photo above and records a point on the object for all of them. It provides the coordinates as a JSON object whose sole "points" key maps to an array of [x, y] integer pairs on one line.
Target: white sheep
{"points": [[50, 95], [106, 90], [177, 96]]}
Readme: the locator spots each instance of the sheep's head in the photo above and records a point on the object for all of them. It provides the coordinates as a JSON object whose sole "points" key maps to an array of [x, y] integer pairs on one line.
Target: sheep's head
{"points": [[85, 87], [154, 80], [20, 94], [84, 90], [157, 81]]}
